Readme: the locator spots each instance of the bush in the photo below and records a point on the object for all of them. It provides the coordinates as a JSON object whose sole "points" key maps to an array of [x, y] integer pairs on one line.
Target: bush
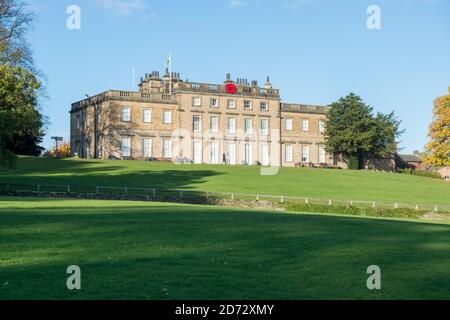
{"points": [[353, 163], [63, 151], [420, 173], [355, 211]]}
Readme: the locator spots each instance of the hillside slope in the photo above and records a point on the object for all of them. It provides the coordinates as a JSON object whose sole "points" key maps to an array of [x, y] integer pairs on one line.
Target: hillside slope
{"points": [[346, 185]]}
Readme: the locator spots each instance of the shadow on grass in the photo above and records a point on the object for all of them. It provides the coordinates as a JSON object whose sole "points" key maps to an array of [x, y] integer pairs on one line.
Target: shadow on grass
{"points": [[83, 173], [211, 253]]}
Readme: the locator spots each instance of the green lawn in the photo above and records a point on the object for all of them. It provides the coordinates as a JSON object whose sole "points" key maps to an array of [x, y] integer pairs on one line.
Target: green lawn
{"points": [[345, 185], [136, 249]]}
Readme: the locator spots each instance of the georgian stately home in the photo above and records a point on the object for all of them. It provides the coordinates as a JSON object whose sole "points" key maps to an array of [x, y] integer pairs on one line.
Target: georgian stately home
{"points": [[236, 122]]}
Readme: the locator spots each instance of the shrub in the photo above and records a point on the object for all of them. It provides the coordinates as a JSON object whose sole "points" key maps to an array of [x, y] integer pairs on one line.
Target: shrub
{"points": [[63, 151], [355, 211], [421, 173], [353, 163]]}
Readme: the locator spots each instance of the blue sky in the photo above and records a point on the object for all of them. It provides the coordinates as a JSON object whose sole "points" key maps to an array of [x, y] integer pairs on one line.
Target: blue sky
{"points": [[315, 51]]}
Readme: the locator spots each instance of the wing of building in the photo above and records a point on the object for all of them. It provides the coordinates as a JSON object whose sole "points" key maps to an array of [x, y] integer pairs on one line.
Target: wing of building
{"points": [[236, 122]]}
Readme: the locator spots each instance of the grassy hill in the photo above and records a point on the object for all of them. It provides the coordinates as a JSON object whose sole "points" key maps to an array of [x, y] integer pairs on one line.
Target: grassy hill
{"points": [[142, 250], [346, 185]]}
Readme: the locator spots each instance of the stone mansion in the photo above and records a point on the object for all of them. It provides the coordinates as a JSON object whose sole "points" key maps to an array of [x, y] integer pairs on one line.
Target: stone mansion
{"points": [[237, 122]]}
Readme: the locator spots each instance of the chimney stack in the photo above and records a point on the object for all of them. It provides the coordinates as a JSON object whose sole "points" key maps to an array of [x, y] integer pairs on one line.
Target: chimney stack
{"points": [[268, 84], [228, 80]]}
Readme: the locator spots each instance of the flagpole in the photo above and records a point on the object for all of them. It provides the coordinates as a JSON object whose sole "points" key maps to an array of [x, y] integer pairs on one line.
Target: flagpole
{"points": [[170, 73]]}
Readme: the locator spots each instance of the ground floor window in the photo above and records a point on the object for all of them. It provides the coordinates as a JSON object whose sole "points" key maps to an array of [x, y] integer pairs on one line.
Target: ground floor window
{"points": [[126, 147], [264, 154], [322, 158], [214, 153], [288, 149], [305, 153], [198, 152], [167, 148], [231, 154], [248, 154], [146, 148]]}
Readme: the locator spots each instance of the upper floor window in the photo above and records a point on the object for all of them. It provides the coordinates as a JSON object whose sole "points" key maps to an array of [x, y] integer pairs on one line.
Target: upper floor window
{"points": [[263, 106], [321, 126], [126, 114], [231, 104], [231, 125], [288, 124], [248, 128], [78, 122], [147, 115], [247, 105], [196, 101], [305, 125], [214, 103], [214, 124], [197, 123], [167, 117], [264, 127], [88, 120]]}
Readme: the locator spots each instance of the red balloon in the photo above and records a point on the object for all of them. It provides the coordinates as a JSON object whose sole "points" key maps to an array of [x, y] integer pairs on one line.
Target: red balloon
{"points": [[230, 88]]}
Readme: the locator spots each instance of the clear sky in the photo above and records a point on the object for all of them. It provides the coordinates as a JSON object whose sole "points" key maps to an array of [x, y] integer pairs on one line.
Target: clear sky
{"points": [[315, 51]]}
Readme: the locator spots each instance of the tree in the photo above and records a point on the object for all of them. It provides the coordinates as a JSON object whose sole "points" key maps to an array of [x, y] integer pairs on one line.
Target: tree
{"points": [[28, 142], [438, 148], [14, 22], [62, 152], [18, 109], [354, 134], [21, 124]]}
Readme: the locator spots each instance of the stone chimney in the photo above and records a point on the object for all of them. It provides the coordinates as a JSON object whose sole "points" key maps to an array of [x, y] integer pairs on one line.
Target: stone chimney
{"points": [[268, 84], [151, 82], [228, 79]]}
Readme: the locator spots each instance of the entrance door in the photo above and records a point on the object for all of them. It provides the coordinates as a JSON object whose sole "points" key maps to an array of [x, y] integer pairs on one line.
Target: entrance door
{"points": [[231, 157], [265, 154], [197, 152]]}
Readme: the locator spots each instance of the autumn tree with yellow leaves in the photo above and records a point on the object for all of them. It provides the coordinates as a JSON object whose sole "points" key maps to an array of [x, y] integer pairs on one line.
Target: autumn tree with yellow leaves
{"points": [[438, 148]]}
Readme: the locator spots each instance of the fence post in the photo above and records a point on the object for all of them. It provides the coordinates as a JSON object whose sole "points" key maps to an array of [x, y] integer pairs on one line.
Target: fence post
{"points": [[417, 207], [436, 209], [207, 195], [374, 205], [282, 199], [232, 196], [396, 206], [351, 203], [68, 189], [39, 188], [306, 201], [257, 197], [97, 190], [125, 189], [329, 202], [154, 194], [180, 194]]}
